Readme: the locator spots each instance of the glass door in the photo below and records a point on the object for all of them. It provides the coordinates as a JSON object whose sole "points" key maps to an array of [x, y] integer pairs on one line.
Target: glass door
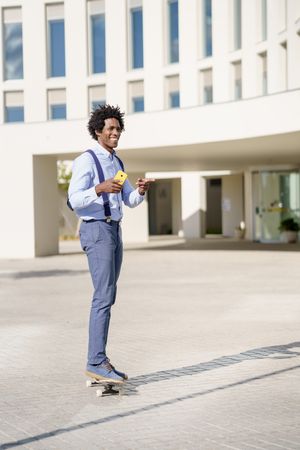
{"points": [[276, 197]]}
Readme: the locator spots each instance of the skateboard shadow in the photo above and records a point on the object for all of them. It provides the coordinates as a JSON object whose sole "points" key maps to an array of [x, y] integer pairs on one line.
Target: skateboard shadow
{"points": [[273, 352]]}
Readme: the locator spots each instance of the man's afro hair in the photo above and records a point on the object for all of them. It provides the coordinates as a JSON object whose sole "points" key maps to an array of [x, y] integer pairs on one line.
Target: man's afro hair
{"points": [[98, 116]]}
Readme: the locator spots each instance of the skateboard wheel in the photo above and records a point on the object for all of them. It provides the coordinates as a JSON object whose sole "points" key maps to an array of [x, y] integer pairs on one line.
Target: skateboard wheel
{"points": [[98, 393], [88, 383]]}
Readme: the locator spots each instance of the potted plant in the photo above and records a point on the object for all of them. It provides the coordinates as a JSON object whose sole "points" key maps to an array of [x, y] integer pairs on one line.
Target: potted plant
{"points": [[289, 228], [240, 230]]}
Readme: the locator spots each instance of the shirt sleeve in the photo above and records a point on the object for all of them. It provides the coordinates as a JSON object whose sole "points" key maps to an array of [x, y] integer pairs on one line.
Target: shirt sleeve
{"points": [[82, 190], [131, 196]]}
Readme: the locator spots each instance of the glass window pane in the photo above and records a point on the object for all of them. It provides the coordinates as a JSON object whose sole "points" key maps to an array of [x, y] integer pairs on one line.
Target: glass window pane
{"points": [[174, 100], [13, 51], [137, 37], [174, 32], [138, 104], [14, 114], [98, 43], [58, 111], [97, 103], [57, 48], [237, 24], [207, 28], [264, 20], [208, 94]]}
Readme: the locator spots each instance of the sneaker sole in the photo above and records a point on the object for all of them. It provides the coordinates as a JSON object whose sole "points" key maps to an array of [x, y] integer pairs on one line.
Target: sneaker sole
{"points": [[104, 379]]}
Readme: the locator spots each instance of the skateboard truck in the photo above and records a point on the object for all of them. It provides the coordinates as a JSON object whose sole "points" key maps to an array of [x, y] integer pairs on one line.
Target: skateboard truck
{"points": [[107, 387]]}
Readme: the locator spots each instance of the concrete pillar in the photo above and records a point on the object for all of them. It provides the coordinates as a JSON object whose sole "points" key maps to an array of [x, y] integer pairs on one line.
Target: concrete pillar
{"points": [[153, 60], [46, 211], [193, 205], [248, 205], [116, 53], [176, 207], [17, 225], [232, 203], [34, 43], [135, 220], [76, 58], [188, 39]]}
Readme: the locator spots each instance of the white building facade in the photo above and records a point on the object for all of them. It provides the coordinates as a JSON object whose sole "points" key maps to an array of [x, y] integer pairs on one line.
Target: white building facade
{"points": [[211, 91]]}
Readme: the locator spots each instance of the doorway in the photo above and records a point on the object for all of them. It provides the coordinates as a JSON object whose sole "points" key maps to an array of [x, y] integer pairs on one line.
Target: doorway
{"points": [[276, 196], [214, 206], [160, 208]]}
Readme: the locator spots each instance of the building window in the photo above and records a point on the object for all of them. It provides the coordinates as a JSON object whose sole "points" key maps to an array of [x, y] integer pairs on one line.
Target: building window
{"points": [[264, 20], [136, 22], [237, 80], [207, 28], [57, 109], [136, 96], [173, 93], [173, 31], [13, 107], [56, 40], [207, 86], [263, 68], [97, 97], [96, 11], [237, 24], [12, 43]]}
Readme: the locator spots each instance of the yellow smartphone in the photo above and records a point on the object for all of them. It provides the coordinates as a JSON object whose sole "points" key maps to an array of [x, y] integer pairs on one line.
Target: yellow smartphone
{"points": [[120, 176]]}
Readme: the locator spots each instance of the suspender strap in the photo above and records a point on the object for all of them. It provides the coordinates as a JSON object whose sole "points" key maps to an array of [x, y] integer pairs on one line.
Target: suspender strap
{"points": [[107, 210], [120, 162]]}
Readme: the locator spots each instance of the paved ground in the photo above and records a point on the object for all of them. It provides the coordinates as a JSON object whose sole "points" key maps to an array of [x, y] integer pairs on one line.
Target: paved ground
{"points": [[208, 332]]}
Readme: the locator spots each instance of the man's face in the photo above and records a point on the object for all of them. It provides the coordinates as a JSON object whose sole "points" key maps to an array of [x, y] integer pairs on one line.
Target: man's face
{"points": [[110, 135]]}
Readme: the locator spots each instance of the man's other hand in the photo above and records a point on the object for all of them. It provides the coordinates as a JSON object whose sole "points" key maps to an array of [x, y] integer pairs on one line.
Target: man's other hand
{"points": [[144, 184]]}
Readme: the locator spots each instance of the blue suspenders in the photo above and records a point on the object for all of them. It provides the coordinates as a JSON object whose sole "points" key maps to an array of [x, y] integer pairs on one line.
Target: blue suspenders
{"points": [[107, 210]]}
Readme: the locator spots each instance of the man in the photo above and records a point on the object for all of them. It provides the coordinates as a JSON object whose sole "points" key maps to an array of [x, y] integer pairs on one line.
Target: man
{"points": [[100, 235]]}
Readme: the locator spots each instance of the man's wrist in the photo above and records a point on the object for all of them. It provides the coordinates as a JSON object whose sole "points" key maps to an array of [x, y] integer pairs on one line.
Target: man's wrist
{"points": [[98, 189]]}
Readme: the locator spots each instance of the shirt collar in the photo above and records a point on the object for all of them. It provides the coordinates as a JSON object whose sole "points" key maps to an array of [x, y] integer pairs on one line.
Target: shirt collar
{"points": [[102, 152]]}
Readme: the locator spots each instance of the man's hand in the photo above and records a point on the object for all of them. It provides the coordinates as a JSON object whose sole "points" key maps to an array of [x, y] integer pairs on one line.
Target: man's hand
{"points": [[144, 184], [111, 186]]}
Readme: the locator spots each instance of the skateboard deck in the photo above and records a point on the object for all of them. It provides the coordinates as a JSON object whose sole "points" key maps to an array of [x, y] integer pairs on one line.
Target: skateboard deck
{"points": [[107, 388]]}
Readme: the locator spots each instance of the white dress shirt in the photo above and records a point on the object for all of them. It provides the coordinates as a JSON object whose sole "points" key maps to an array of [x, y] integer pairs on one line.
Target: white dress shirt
{"points": [[82, 195]]}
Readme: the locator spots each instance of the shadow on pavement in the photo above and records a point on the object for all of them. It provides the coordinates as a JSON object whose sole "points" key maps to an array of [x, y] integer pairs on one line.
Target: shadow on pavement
{"points": [[285, 351], [216, 245], [41, 273]]}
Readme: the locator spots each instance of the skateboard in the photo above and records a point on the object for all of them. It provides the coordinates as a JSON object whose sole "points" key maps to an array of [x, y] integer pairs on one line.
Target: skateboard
{"points": [[107, 387]]}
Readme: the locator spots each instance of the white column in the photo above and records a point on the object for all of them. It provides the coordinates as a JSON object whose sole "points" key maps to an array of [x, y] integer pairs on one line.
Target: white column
{"points": [[116, 53], [153, 60], [35, 67], [248, 205], [193, 205], [76, 58], [293, 49], [188, 39], [232, 203], [135, 220], [17, 222], [46, 211], [220, 45], [248, 52]]}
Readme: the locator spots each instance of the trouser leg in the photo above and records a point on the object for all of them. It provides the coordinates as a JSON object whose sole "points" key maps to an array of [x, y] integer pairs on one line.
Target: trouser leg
{"points": [[103, 252]]}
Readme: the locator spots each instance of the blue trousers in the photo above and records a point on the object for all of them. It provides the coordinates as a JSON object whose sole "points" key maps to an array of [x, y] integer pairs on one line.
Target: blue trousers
{"points": [[102, 243]]}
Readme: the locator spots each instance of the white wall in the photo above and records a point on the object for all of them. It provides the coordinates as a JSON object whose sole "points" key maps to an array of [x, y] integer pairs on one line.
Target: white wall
{"points": [[232, 203], [135, 220]]}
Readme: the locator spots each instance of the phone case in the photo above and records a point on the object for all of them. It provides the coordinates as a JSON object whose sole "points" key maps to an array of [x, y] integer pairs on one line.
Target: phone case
{"points": [[120, 176]]}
